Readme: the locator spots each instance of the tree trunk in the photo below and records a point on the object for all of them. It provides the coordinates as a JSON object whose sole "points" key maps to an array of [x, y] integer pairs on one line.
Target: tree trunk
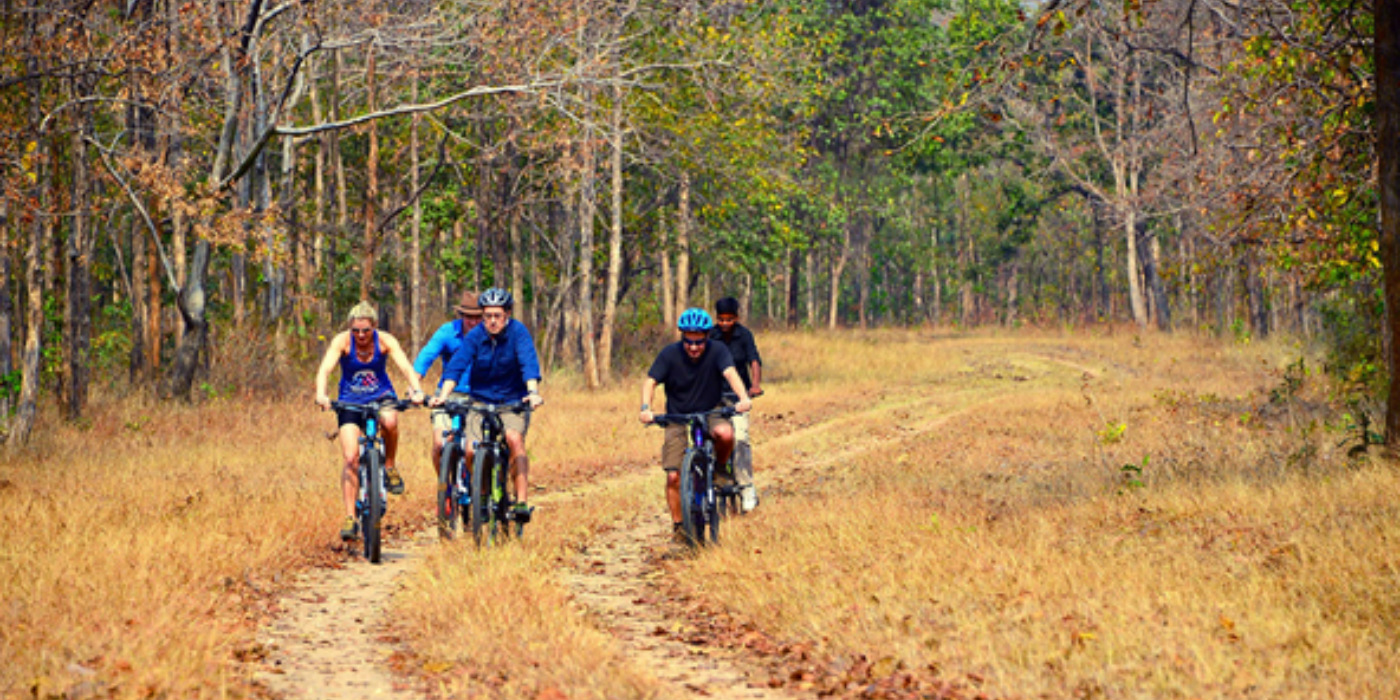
{"points": [[34, 282], [587, 207], [683, 246], [415, 304], [838, 265], [6, 313], [139, 366], [77, 316], [810, 276], [1135, 296], [371, 215], [1160, 305], [668, 287], [605, 343], [1387, 58]]}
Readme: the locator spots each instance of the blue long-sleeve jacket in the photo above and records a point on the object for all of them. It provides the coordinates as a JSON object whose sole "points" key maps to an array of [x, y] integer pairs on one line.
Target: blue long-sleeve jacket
{"points": [[495, 366], [444, 343]]}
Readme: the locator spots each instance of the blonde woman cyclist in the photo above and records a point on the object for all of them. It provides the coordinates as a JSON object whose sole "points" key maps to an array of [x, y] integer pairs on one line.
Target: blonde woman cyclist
{"points": [[363, 352]]}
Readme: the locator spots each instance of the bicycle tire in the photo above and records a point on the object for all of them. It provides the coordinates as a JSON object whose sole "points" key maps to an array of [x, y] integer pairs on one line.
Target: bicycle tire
{"points": [[713, 511], [483, 509], [690, 515], [448, 509], [374, 504]]}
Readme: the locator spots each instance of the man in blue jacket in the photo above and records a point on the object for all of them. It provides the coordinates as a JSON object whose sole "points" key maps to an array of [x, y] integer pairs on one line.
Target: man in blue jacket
{"points": [[443, 345], [498, 362]]}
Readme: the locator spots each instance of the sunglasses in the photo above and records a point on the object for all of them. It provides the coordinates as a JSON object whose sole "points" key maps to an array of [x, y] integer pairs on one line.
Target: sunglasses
{"points": [[694, 343], [361, 331], [494, 315]]}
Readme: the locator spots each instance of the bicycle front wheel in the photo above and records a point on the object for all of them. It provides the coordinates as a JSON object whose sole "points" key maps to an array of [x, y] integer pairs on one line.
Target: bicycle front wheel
{"points": [[448, 507], [483, 505], [373, 511], [691, 510], [713, 511]]}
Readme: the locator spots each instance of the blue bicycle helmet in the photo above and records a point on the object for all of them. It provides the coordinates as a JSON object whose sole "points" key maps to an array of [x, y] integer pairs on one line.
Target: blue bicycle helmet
{"points": [[496, 296], [695, 319]]}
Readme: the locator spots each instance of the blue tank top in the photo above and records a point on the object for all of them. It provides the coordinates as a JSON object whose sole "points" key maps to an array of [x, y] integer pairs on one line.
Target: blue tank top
{"points": [[363, 382]]}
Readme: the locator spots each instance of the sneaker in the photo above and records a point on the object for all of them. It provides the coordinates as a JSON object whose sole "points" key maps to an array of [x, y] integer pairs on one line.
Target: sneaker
{"points": [[749, 499], [350, 530], [521, 513], [678, 534], [392, 481]]}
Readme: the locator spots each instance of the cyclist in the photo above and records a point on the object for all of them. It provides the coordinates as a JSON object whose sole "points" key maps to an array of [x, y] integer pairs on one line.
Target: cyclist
{"points": [[444, 344], [749, 365], [498, 362], [694, 372], [362, 352]]}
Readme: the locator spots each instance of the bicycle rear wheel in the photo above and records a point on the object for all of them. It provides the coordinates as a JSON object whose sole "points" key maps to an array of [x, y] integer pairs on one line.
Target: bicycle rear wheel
{"points": [[483, 505], [691, 510], [448, 508], [373, 511], [714, 511]]}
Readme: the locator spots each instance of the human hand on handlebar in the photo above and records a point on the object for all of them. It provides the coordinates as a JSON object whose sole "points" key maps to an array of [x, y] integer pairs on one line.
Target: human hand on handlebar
{"points": [[534, 399], [744, 406], [323, 401]]}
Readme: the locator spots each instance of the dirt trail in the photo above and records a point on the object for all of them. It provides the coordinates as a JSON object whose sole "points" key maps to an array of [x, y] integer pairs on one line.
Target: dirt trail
{"points": [[614, 578], [332, 641], [329, 641]]}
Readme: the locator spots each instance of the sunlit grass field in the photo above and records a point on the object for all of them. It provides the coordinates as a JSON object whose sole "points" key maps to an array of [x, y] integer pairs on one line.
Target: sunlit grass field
{"points": [[1026, 514]]}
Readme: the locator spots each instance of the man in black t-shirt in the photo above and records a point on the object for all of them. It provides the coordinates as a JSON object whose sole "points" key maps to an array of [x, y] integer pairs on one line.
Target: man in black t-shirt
{"points": [[749, 364], [695, 372]]}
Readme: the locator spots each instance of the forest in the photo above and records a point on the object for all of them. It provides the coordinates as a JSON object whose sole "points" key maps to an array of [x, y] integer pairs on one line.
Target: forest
{"points": [[187, 181]]}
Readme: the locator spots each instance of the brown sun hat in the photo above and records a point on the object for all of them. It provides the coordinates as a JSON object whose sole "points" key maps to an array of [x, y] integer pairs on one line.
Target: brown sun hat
{"points": [[469, 305]]}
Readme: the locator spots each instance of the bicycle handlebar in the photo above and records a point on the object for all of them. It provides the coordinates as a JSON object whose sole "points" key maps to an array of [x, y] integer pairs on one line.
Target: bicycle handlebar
{"points": [[664, 419], [365, 408], [464, 407]]}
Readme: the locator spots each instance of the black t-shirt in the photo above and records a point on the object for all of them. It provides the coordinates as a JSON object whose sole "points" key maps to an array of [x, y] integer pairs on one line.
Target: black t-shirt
{"points": [[742, 347], [692, 387]]}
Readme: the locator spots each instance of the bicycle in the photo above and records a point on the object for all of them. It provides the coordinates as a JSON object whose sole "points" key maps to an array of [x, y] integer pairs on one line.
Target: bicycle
{"points": [[454, 487], [700, 498], [491, 509], [371, 504]]}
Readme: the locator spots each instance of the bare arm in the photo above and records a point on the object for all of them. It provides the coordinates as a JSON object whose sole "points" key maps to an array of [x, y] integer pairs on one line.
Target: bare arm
{"points": [[400, 358], [756, 374], [737, 386], [648, 392], [333, 353]]}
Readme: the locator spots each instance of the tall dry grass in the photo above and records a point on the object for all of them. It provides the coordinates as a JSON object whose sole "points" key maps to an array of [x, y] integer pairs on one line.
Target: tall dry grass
{"points": [[957, 502], [996, 534]]}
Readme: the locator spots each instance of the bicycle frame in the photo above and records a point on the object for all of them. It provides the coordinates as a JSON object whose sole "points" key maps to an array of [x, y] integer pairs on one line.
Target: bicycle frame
{"points": [[699, 498]]}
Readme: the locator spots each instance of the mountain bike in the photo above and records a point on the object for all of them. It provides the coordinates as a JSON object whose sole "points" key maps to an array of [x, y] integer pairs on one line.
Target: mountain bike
{"points": [[454, 480], [700, 498], [370, 506], [491, 510]]}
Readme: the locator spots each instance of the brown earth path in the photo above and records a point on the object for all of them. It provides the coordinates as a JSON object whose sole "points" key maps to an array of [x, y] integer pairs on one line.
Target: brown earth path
{"points": [[332, 641]]}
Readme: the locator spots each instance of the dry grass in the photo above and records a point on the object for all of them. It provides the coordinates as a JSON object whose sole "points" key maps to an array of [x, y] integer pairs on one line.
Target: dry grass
{"points": [[956, 502], [1005, 540]]}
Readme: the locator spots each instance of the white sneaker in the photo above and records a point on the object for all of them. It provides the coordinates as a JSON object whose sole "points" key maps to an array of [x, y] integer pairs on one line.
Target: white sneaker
{"points": [[749, 499]]}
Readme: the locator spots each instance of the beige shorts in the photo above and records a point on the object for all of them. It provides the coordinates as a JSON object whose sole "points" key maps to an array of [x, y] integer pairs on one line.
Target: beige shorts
{"points": [[673, 450], [442, 420], [511, 421], [740, 421]]}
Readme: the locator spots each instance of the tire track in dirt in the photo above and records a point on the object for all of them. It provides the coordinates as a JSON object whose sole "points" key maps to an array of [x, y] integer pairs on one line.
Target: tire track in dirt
{"points": [[332, 640], [329, 642], [613, 580]]}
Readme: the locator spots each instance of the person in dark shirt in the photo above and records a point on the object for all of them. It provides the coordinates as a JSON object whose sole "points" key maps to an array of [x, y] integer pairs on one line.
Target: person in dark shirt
{"points": [[695, 372], [749, 364]]}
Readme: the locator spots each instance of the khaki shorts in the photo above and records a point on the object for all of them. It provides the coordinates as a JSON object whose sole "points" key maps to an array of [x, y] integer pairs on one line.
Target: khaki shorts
{"points": [[512, 421], [740, 420], [673, 450], [442, 420]]}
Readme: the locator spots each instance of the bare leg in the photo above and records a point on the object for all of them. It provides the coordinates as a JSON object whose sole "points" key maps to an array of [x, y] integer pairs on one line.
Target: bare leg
{"points": [[519, 465], [389, 427], [350, 466], [673, 495]]}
